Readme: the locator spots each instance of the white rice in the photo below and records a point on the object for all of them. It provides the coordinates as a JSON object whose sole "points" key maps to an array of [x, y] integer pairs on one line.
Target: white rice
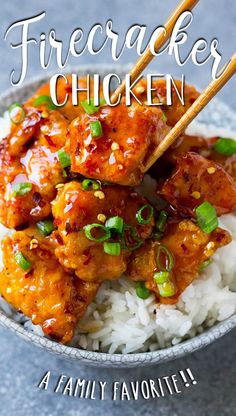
{"points": [[119, 321]]}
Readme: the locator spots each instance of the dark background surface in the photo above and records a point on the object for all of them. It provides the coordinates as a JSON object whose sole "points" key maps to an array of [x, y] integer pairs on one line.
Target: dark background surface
{"points": [[22, 365]]}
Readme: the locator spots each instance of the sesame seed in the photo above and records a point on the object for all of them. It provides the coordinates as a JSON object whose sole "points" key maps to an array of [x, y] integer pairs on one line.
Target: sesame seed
{"points": [[60, 185], [115, 146], [120, 167], [99, 194], [196, 195], [101, 217], [44, 114], [140, 90], [33, 244], [210, 245], [211, 170]]}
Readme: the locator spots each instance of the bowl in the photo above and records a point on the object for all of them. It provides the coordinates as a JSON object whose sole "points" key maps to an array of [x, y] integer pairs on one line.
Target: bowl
{"points": [[217, 114]]}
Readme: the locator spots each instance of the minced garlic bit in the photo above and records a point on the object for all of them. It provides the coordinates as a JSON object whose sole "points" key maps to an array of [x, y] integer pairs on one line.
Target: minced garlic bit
{"points": [[101, 217], [115, 146], [211, 170], [33, 244], [44, 114], [60, 185], [196, 194], [99, 194]]}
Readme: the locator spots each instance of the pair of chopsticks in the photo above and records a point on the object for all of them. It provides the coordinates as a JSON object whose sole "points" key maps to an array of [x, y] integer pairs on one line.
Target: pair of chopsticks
{"points": [[212, 89]]}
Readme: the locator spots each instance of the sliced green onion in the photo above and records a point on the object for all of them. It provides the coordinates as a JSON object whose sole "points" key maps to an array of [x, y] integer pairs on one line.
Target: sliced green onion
{"points": [[157, 235], [16, 113], [112, 248], [204, 265], [226, 147], [170, 260], [45, 227], [89, 106], [136, 240], [88, 229], [161, 222], [161, 277], [167, 289], [206, 217], [64, 158], [96, 128], [87, 183], [21, 188], [44, 99], [22, 261], [164, 116], [140, 218], [141, 290], [116, 224]]}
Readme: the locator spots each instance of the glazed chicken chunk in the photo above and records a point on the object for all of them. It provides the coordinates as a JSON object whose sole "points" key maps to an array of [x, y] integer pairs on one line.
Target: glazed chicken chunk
{"points": [[189, 247], [86, 251], [30, 168], [112, 144], [176, 110], [35, 283], [197, 179]]}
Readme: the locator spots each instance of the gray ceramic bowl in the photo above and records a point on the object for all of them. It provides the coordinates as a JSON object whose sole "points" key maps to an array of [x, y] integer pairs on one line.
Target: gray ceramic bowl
{"points": [[216, 114]]}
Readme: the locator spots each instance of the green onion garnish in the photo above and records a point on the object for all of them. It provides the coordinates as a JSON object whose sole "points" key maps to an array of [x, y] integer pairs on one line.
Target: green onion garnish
{"points": [[89, 106], [21, 188], [161, 222], [140, 218], [164, 116], [112, 248], [16, 113], [226, 147], [204, 265], [87, 183], [130, 239], [96, 128], [44, 99], [167, 289], [116, 224], [64, 158], [157, 235], [169, 257], [88, 229], [141, 290], [45, 227], [22, 261], [206, 217], [161, 277]]}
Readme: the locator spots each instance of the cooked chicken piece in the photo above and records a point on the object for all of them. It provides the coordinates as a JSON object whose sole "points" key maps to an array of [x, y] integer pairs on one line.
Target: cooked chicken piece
{"points": [[75, 208], [44, 292], [197, 179], [202, 146], [174, 111], [189, 246], [30, 157], [64, 89], [125, 138]]}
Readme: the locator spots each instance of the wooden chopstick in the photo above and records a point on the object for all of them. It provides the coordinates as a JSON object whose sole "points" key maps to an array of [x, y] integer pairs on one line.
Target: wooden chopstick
{"points": [[161, 39], [193, 111]]}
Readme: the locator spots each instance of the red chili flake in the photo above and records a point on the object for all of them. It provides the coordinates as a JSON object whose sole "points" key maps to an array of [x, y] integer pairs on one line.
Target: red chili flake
{"points": [[59, 239], [49, 140]]}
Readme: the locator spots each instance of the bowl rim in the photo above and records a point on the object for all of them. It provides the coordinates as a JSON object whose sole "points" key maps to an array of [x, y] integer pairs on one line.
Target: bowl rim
{"points": [[101, 358]]}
